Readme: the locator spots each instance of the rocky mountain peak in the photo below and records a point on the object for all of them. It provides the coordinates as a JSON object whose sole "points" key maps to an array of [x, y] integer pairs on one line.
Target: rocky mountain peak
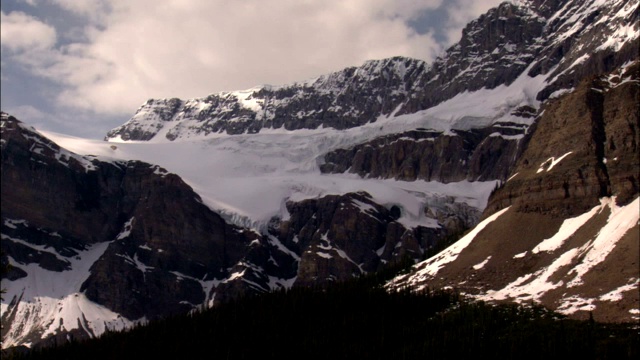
{"points": [[392, 73], [544, 8]]}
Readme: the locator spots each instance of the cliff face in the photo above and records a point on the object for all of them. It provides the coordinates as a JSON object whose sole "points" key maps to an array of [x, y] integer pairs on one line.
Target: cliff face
{"points": [[341, 236], [473, 155], [344, 99], [596, 129]]}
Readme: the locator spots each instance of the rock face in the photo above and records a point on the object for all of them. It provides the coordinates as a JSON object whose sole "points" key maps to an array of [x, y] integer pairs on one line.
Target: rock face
{"points": [[474, 155], [575, 191], [585, 38], [597, 128], [345, 99], [339, 236]]}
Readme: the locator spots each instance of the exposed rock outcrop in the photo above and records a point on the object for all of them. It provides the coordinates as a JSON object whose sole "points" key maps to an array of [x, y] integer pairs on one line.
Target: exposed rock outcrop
{"points": [[340, 236], [475, 155], [584, 148]]}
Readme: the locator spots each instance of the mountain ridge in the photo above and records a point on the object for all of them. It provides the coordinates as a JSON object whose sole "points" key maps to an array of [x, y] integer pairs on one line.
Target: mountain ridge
{"points": [[541, 38]]}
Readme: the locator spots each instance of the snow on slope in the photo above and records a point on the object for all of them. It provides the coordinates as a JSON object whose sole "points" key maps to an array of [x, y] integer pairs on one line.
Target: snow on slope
{"points": [[485, 107], [535, 285], [49, 302], [562, 278], [429, 268]]}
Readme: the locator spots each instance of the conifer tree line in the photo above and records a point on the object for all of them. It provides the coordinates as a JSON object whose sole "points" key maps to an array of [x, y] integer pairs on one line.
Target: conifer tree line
{"points": [[358, 319]]}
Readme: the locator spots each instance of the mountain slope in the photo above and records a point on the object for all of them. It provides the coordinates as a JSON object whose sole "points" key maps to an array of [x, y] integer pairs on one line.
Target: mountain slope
{"points": [[575, 191], [87, 232]]}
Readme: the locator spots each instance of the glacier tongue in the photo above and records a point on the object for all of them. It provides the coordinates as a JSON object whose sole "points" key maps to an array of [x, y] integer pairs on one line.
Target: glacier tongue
{"points": [[247, 178]]}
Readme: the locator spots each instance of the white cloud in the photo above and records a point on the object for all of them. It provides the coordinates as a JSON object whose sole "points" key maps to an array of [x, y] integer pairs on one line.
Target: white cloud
{"points": [[26, 113], [146, 48], [21, 33], [135, 50]]}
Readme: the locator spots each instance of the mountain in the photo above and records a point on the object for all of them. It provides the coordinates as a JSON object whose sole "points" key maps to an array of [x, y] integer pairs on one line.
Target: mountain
{"points": [[575, 191], [529, 122], [81, 233]]}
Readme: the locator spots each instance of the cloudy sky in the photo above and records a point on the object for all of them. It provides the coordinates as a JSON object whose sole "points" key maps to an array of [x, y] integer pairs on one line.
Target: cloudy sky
{"points": [[82, 67]]}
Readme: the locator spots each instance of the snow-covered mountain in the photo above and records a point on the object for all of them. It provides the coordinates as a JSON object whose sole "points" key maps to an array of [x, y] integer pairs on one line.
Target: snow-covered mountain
{"points": [[532, 118]]}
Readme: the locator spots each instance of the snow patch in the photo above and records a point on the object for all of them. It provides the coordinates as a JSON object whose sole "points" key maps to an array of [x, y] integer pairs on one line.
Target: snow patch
{"points": [[567, 229], [575, 303], [535, 285], [620, 221], [616, 294], [126, 229], [482, 264], [51, 301], [551, 162]]}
